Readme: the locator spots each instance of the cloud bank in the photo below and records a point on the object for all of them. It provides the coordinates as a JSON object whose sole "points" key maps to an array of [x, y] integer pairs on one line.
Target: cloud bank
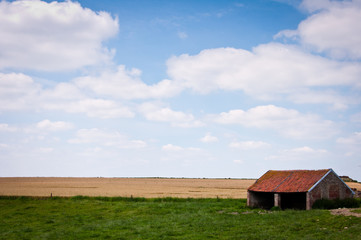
{"points": [[53, 36]]}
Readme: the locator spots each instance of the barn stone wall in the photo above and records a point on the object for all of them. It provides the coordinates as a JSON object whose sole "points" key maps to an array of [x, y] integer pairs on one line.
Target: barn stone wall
{"points": [[331, 187]]}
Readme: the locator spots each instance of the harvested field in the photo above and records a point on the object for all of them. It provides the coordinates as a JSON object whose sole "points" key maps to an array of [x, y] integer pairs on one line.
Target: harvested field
{"points": [[126, 187], [356, 185]]}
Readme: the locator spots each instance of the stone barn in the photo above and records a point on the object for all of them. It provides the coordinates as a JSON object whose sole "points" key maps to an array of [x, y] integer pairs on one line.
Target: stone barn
{"points": [[296, 189]]}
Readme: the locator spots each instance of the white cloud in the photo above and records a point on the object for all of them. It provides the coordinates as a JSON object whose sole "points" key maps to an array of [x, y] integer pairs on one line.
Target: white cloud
{"points": [[105, 138], [299, 154], [53, 36], [333, 28], [70, 98], [185, 155], [238, 161], [182, 35], [158, 113], [331, 97], [249, 145], [91, 152], [126, 84], [354, 139], [97, 108], [48, 125], [45, 150], [4, 146], [4, 127], [314, 5], [208, 138], [21, 92], [269, 70], [288, 122], [305, 149], [63, 91], [171, 147], [174, 148], [356, 118], [17, 92]]}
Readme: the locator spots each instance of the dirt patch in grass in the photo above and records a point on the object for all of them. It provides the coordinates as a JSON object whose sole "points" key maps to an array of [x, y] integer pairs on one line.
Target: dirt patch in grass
{"points": [[346, 212]]}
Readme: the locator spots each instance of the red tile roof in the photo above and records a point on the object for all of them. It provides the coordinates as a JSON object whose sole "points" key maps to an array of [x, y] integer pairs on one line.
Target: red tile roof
{"points": [[288, 181]]}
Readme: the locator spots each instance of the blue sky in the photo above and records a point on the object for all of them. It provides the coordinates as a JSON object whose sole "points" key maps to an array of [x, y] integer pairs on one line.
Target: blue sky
{"points": [[179, 88]]}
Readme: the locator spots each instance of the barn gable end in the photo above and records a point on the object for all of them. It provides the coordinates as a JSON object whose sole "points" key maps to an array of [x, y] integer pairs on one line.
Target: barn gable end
{"points": [[297, 189], [331, 186]]}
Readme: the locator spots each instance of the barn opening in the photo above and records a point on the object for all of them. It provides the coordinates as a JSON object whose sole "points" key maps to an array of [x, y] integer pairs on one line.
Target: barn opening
{"points": [[293, 201], [263, 199]]}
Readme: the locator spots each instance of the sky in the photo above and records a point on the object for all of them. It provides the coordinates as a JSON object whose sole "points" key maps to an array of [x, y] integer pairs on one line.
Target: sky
{"points": [[180, 88]]}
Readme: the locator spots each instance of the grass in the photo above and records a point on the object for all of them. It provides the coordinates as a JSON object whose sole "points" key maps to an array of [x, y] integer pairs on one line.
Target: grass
{"points": [[164, 218], [356, 210]]}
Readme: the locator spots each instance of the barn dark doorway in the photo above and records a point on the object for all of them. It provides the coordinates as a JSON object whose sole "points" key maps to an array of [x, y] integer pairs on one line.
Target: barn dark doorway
{"points": [[262, 199], [293, 201]]}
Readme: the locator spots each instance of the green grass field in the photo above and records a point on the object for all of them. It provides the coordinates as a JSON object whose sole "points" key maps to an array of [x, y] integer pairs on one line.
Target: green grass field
{"points": [[168, 218]]}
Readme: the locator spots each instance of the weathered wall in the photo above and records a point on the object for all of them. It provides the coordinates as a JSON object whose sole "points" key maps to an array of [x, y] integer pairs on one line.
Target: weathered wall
{"points": [[331, 187]]}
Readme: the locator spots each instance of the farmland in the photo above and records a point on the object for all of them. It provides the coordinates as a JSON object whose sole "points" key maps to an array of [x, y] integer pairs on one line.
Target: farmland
{"points": [[126, 187], [164, 218], [154, 208]]}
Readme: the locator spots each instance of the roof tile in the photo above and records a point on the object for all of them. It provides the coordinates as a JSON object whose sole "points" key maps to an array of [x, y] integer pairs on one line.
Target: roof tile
{"points": [[288, 181]]}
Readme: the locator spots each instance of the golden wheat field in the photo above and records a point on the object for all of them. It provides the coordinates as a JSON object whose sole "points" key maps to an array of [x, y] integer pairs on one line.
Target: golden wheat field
{"points": [[126, 187]]}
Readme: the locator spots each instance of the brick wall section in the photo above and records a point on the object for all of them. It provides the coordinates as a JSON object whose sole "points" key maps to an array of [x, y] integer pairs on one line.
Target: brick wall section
{"points": [[331, 187]]}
